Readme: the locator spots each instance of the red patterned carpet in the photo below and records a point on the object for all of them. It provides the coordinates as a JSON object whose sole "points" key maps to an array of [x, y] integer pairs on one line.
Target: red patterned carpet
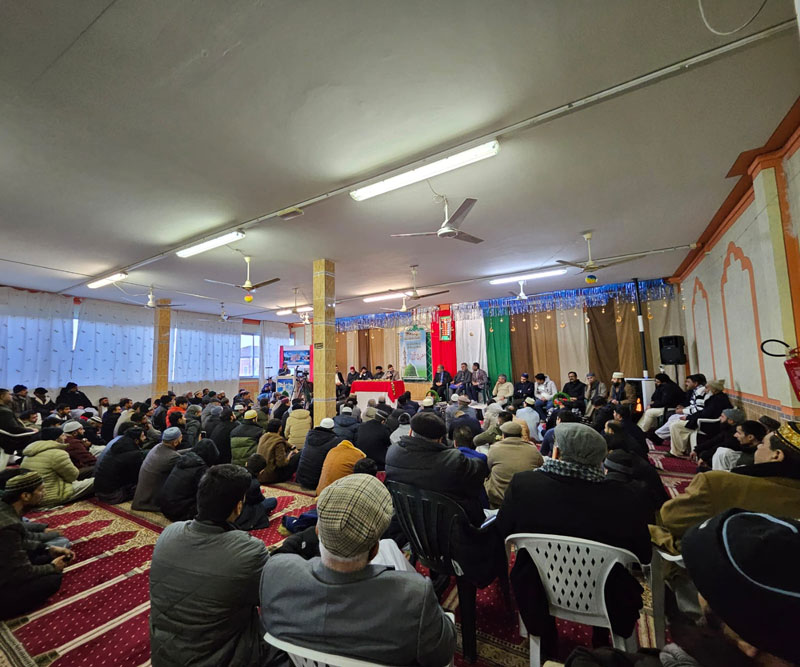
{"points": [[100, 615]]}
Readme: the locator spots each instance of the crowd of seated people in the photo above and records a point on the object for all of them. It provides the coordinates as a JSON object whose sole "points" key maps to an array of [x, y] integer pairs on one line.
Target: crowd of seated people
{"points": [[529, 446]]}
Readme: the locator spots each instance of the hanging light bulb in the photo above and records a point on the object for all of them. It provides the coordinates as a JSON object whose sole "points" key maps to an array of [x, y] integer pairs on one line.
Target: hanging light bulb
{"points": [[523, 319], [603, 310], [586, 319], [549, 316], [665, 303], [536, 326], [491, 330]]}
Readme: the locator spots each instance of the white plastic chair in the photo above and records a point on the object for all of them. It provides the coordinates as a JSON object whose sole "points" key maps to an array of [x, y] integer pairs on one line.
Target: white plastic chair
{"points": [[657, 584], [306, 657], [699, 431], [573, 574]]}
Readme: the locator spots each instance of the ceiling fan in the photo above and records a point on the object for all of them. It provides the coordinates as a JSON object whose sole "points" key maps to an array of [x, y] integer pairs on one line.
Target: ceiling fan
{"points": [[151, 302], [247, 286], [451, 227], [223, 316], [413, 294], [591, 265], [521, 296], [403, 309]]}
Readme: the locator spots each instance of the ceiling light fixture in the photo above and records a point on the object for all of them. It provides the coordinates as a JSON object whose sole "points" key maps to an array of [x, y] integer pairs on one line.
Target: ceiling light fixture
{"points": [[426, 171], [108, 280], [287, 311], [529, 276], [386, 297], [304, 309], [230, 237]]}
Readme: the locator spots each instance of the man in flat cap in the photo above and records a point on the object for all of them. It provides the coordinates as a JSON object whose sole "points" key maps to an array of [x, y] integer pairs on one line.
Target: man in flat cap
{"points": [[31, 570], [367, 611]]}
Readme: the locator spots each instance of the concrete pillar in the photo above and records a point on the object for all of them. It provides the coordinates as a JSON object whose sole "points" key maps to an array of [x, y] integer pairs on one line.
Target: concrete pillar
{"points": [[324, 332], [161, 329]]}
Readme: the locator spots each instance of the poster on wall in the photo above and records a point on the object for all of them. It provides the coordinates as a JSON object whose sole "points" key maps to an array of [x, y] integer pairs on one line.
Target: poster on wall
{"points": [[297, 356], [285, 384], [413, 354], [446, 328]]}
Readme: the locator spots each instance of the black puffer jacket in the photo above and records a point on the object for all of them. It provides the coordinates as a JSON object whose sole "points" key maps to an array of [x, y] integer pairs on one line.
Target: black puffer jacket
{"points": [[319, 441], [118, 465], [431, 465], [346, 427], [668, 395], [178, 497], [192, 428], [373, 440], [221, 435]]}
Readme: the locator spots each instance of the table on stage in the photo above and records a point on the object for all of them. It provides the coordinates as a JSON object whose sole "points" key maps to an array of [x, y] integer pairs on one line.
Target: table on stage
{"points": [[367, 389]]}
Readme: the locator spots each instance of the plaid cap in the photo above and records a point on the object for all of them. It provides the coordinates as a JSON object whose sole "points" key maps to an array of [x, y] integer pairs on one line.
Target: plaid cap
{"points": [[353, 513]]}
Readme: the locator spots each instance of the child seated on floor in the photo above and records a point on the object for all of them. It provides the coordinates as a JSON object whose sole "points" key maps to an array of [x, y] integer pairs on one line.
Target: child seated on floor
{"points": [[256, 509]]}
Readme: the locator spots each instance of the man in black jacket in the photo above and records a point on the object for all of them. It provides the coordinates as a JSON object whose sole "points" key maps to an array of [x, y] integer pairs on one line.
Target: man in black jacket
{"points": [[116, 472], [716, 400], [524, 388], [667, 396], [441, 382], [10, 424], [424, 460], [622, 414], [319, 441], [579, 502], [221, 435], [373, 438], [73, 397], [576, 390]]}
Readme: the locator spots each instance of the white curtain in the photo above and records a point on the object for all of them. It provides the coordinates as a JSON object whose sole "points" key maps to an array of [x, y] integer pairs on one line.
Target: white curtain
{"points": [[273, 336], [205, 353], [471, 342], [113, 350], [573, 344], [35, 339]]}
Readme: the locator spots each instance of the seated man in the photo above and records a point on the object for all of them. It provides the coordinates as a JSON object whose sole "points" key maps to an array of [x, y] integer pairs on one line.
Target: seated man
{"points": [[256, 508], [546, 501], [749, 435], [373, 438], [204, 581], [530, 416], [117, 470], [725, 438], [378, 373], [11, 424], [594, 389], [564, 416], [155, 469], [524, 388], [667, 396], [178, 496], [621, 392], [771, 485], [493, 433], [506, 458], [399, 618], [576, 390], [340, 462], [503, 389], [462, 380], [31, 570], [463, 419], [50, 459], [441, 382], [622, 414], [543, 391], [716, 400], [477, 383], [693, 401], [319, 441]]}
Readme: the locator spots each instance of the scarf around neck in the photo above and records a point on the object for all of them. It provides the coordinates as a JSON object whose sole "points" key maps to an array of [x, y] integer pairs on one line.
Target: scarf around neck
{"points": [[576, 470]]}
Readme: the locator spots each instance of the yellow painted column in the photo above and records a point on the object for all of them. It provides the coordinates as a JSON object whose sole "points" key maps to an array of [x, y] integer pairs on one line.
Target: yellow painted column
{"points": [[161, 327], [324, 330]]}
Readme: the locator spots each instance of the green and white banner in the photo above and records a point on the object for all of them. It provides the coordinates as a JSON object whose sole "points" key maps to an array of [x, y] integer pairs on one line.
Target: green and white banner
{"points": [[414, 354]]}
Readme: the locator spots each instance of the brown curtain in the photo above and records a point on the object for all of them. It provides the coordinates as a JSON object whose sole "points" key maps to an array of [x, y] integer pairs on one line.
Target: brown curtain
{"points": [[544, 345], [363, 350], [603, 351], [630, 348], [341, 353], [521, 354], [376, 348]]}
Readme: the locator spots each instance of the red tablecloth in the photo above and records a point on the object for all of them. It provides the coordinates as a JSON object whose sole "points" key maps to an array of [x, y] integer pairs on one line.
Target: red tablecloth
{"points": [[392, 388]]}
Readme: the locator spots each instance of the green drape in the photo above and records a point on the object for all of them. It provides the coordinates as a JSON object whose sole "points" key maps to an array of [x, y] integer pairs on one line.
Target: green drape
{"points": [[498, 347]]}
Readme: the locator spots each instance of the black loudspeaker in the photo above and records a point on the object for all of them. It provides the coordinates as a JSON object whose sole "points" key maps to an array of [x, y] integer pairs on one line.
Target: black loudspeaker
{"points": [[672, 350]]}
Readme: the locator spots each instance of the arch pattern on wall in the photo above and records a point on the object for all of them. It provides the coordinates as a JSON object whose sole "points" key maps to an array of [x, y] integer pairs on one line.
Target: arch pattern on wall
{"points": [[698, 288], [735, 253]]}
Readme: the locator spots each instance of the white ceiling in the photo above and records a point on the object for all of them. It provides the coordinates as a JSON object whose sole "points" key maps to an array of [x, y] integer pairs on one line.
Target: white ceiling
{"points": [[132, 127]]}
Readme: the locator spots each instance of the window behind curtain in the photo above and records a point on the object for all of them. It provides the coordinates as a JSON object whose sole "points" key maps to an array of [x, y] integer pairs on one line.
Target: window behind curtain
{"points": [[250, 355]]}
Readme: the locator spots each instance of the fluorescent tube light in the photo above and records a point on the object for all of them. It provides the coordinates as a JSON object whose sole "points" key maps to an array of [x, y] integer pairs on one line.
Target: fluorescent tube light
{"points": [[304, 309], [287, 311], [230, 237], [427, 171], [528, 276], [108, 280], [386, 297]]}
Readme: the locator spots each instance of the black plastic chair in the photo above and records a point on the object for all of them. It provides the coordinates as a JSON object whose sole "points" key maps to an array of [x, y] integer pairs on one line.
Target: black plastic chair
{"points": [[428, 520]]}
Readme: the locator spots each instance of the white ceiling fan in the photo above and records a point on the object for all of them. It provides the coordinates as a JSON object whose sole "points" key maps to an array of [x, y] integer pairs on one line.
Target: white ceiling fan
{"points": [[591, 265], [223, 316], [451, 227], [413, 294], [403, 309], [247, 285], [521, 296]]}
